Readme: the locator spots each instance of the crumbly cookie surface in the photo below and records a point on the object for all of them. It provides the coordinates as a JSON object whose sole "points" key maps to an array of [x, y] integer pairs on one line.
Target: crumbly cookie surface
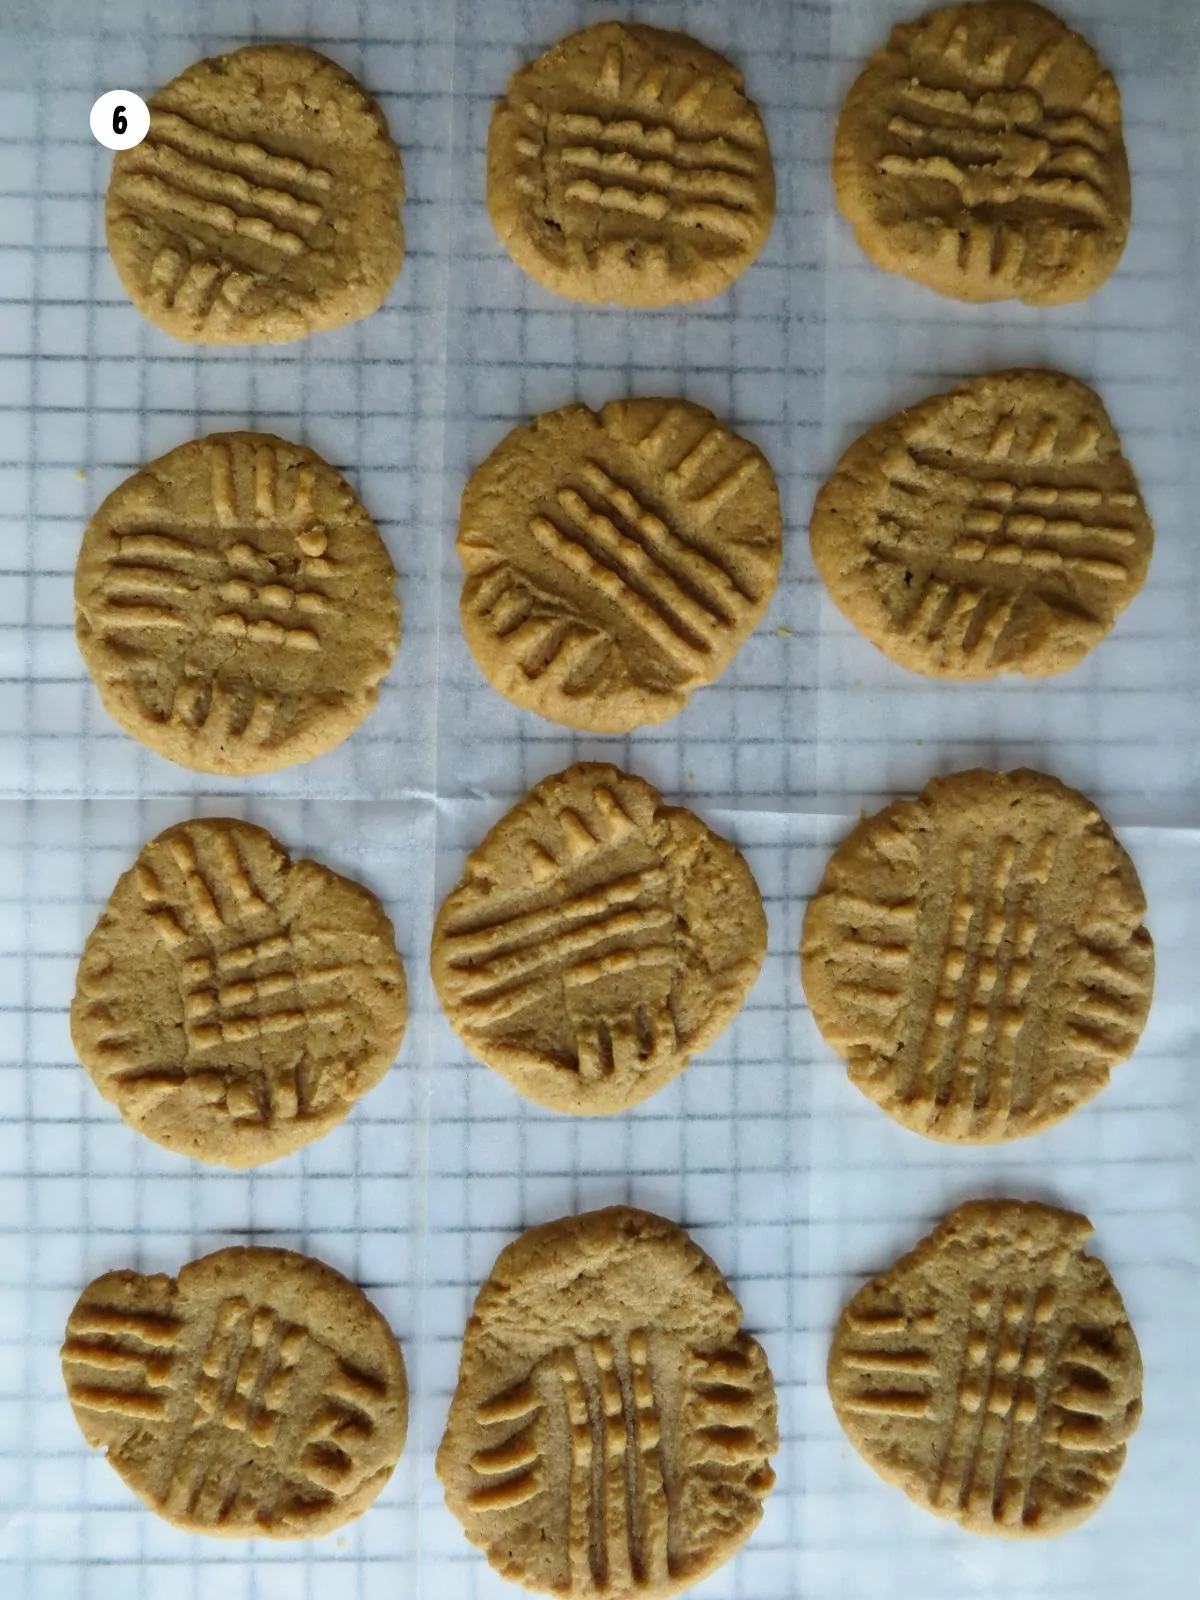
{"points": [[992, 1373], [994, 529], [612, 1424], [627, 164], [236, 606], [264, 203], [234, 1004], [615, 561], [980, 152], [977, 956], [597, 941], [258, 1394]]}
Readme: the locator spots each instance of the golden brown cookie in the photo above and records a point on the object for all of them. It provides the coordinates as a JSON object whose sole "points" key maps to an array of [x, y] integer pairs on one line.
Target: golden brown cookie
{"points": [[627, 164], [258, 1394], [264, 203], [611, 1428], [236, 606], [992, 1373], [616, 561], [597, 941], [233, 1004], [977, 955], [997, 528], [981, 153]]}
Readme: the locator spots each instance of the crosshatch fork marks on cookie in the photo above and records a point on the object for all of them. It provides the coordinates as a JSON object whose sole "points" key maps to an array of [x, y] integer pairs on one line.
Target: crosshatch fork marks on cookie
{"points": [[982, 153], [214, 592], [233, 1004], [992, 1373], [623, 922], [995, 528], [626, 568], [228, 1412], [627, 164], [977, 956]]}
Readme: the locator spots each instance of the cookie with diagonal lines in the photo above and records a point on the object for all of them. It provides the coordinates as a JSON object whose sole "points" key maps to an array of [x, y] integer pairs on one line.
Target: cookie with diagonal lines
{"points": [[258, 1394], [612, 1424], [997, 528], [992, 1373], [977, 955], [235, 605], [263, 204], [627, 164], [234, 1004], [616, 561], [597, 941], [980, 152]]}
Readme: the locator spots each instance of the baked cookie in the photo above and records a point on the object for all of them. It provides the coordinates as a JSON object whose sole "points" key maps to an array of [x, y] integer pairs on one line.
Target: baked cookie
{"points": [[981, 153], [997, 528], [992, 1373], [258, 1394], [627, 164], [236, 606], [616, 561], [233, 1004], [264, 203], [977, 955], [611, 1428], [597, 941]]}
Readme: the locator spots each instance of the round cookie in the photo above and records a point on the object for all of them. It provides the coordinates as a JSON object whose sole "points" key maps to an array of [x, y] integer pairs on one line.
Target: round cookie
{"points": [[981, 153], [608, 1340], [234, 1004], [977, 957], [264, 203], [258, 1394], [235, 605], [626, 164], [616, 561], [597, 941], [992, 1373], [997, 528]]}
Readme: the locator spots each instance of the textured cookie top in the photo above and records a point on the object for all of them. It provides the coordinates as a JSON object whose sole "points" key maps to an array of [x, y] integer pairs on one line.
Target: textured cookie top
{"points": [[259, 1394], [627, 164], [997, 528], [235, 605], [233, 1004], [597, 941], [616, 561], [981, 153], [977, 955], [610, 1430], [992, 1373], [263, 204]]}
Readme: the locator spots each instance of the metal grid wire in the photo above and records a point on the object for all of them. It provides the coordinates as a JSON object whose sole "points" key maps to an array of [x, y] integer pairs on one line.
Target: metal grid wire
{"points": [[795, 1184]]}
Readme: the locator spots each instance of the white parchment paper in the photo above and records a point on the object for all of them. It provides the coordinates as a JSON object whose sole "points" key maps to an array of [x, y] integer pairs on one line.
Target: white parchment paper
{"points": [[796, 1185]]}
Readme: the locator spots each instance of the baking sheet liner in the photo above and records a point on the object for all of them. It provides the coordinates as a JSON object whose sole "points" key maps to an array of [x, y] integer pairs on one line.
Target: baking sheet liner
{"points": [[795, 1183]]}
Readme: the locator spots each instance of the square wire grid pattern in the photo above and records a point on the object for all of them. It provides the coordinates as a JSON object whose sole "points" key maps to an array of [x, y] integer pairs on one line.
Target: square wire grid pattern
{"points": [[796, 1186]]}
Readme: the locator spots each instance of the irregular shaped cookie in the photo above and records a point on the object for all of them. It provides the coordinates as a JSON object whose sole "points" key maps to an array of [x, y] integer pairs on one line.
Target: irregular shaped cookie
{"points": [[235, 605], [977, 955], [996, 528], [981, 153], [992, 1373], [612, 1424], [264, 203], [258, 1394], [627, 164], [233, 1004], [616, 561], [597, 941]]}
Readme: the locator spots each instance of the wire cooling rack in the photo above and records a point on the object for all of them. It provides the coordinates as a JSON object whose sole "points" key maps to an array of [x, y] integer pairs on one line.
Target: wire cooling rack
{"points": [[796, 1185]]}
